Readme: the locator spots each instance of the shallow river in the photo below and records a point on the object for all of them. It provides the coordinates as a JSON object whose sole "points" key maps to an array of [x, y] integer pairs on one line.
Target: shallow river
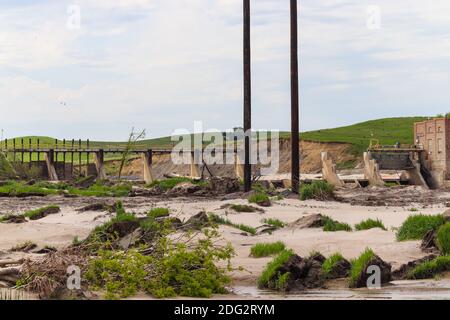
{"points": [[399, 290]]}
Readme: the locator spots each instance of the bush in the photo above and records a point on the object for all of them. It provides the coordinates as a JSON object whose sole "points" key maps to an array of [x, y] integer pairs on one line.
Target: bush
{"points": [[443, 238], [182, 268], [370, 224], [333, 225], [318, 190], [330, 263], [270, 277], [429, 269], [121, 274], [359, 265], [260, 250], [41, 212], [416, 226], [274, 222]]}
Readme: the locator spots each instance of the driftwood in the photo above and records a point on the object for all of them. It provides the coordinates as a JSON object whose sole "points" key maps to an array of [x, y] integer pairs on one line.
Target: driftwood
{"points": [[9, 271], [4, 263], [174, 175]]}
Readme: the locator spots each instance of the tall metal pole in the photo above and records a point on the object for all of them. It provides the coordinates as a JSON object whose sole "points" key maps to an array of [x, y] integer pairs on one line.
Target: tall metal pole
{"points": [[295, 156], [247, 97]]}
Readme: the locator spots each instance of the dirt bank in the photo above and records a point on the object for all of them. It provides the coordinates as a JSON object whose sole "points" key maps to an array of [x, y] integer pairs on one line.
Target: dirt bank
{"points": [[310, 161]]}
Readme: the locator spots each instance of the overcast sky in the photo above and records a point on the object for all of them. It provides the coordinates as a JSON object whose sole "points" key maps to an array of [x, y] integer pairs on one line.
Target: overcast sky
{"points": [[162, 64]]}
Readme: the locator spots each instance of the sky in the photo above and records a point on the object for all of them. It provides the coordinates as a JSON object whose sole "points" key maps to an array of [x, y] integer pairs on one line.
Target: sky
{"points": [[96, 68]]}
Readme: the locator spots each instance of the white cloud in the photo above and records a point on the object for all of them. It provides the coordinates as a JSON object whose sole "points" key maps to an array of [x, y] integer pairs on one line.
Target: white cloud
{"points": [[161, 64]]}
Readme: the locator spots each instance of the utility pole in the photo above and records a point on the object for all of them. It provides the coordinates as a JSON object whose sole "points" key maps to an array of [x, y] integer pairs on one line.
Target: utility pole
{"points": [[295, 149], [247, 97]]}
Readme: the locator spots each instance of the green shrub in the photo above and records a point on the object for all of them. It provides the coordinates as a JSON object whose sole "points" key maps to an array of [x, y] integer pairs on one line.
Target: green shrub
{"points": [[243, 208], [120, 273], [333, 225], [259, 198], [370, 224], [158, 212], [42, 212], [443, 238], [359, 265], [416, 226], [274, 222], [190, 272], [266, 249], [330, 263], [270, 277], [182, 267], [318, 190], [221, 220], [429, 269]]}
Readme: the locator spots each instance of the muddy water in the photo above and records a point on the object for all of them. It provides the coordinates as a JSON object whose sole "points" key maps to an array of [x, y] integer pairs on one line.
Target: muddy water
{"points": [[399, 290]]}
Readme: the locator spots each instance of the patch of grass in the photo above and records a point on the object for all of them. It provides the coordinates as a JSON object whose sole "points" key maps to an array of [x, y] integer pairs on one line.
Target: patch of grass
{"points": [[101, 190], [430, 269], [170, 183], [359, 264], [370, 224], [333, 225], [318, 190], [443, 238], [274, 222], [388, 131], [224, 221], [259, 198], [42, 212], [330, 263], [413, 209], [20, 189], [266, 249], [158, 212], [243, 208], [270, 277], [391, 184], [416, 226]]}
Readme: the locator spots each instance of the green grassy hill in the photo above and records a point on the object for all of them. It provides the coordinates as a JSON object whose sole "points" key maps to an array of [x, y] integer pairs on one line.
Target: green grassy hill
{"points": [[388, 131]]}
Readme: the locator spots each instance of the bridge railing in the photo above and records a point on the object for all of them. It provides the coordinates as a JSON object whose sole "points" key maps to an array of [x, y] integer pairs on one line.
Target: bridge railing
{"points": [[10, 145]]}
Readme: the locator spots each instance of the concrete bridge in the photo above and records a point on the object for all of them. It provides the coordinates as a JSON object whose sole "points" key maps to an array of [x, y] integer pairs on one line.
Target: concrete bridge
{"points": [[60, 154]]}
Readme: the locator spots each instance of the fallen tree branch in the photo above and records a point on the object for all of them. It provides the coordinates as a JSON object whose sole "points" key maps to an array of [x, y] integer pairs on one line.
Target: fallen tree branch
{"points": [[9, 271], [4, 263]]}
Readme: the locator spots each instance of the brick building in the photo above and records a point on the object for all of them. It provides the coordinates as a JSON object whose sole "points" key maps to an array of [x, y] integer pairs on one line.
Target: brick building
{"points": [[433, 136]]}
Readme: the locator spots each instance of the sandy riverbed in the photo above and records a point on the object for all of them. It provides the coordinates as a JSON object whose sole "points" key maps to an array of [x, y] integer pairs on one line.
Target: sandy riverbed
{"points": [[59, 230]]}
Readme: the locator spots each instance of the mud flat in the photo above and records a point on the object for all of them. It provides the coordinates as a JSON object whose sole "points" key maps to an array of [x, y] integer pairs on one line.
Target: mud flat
{"points": [[58, 230]]}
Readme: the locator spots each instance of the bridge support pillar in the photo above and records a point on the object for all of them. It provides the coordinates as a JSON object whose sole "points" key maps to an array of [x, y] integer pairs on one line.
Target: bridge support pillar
{"points": [[329, 171], [372, 171], [195, 172], [238, 167], [99, 158], [147, 159], [49, 160]]}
